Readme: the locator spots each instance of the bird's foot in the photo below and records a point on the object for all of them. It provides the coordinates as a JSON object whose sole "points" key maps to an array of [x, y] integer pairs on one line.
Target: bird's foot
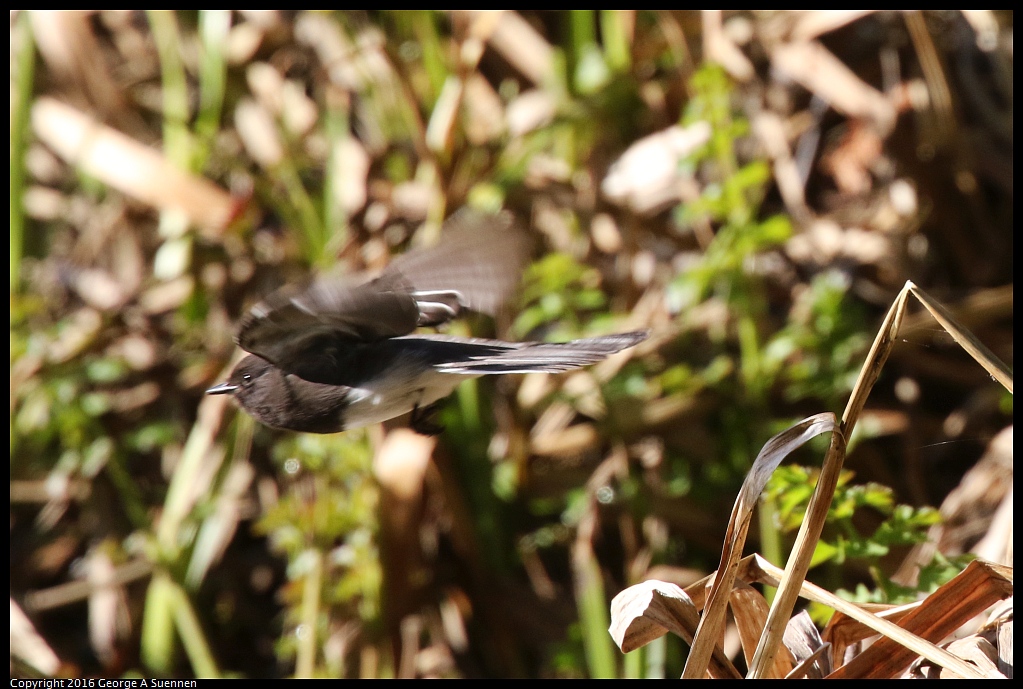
{"points": [[422, 419]]}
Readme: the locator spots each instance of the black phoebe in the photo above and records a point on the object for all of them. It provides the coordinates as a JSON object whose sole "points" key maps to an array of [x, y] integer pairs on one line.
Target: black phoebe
{"points": [[338, 354]]}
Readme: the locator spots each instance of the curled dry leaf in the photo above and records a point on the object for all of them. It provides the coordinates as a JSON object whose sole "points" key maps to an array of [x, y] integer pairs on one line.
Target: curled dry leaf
{"points": [[804, 642], [648, 611]]}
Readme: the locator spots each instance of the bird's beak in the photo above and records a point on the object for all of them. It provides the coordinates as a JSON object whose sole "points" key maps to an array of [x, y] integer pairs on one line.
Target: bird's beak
{"points": [[222, 389]]}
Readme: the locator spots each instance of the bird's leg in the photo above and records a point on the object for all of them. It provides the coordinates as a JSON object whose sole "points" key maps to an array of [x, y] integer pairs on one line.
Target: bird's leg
{"points": [[422, 421]]}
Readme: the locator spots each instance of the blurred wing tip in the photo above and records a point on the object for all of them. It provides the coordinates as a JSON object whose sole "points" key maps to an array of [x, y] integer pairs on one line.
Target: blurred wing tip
{"points": [[634, 337]]}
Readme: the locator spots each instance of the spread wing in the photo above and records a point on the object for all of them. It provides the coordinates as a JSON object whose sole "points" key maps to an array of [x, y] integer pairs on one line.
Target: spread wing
{"points": [[313, 331], [318, 330], [476, 265]]}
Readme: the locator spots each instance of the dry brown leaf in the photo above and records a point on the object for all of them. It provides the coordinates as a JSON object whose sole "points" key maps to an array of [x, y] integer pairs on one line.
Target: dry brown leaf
{"points": [[823, 74], [774, 451], [976, 588], [719, 48], [974, 347], [815, 23], [804, 642], [29, 646], [517, 42], [130, 167], [749, 608], [843, 631], [648, 611], [68, 45], [757, 569], [647, 177]]}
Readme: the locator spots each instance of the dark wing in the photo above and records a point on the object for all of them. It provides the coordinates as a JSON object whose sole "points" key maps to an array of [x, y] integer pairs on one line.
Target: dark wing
{"points": [[473, 356], [319, 331], [476, 265], [312, 331]]}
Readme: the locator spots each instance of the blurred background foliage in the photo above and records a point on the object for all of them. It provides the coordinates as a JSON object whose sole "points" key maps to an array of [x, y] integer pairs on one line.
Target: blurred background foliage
{"points": [[753, 187]]}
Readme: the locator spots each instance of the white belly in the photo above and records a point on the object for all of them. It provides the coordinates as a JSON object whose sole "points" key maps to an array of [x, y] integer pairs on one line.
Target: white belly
{"points": [[397, 393]]}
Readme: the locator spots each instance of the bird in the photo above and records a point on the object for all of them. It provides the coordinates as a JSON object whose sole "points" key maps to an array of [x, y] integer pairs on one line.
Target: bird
{"points": [[336, 353]]}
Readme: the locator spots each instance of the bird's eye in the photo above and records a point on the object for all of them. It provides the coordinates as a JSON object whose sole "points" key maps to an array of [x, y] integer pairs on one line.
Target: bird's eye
{"points": [[247, 378]]}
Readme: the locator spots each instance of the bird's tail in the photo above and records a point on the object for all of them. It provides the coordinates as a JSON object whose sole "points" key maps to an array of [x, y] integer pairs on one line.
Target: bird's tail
{"points": [[533, 357]]}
